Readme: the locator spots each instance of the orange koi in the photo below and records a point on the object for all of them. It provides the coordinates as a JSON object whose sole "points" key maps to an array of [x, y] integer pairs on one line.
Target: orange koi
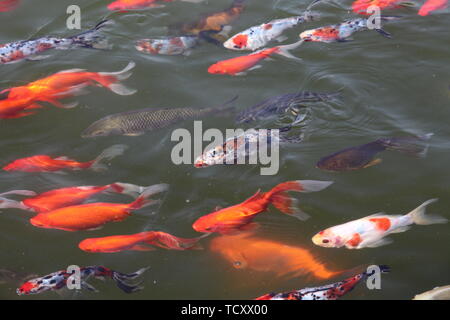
{"points": [[432, 5]]}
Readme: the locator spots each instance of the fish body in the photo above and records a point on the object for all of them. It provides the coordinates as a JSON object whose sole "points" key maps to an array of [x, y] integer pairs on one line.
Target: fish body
{"points": [[281, 104], [58, 280], [144, 241], [8, 5], [13, 108], [93, 215], [332, 291], [370, 231], [238, 217], [124, 5], [432, 5], [45, 163], [438, 293], [362, 6], [31, 49], [137, 122], [168, 45], [363, 156]]}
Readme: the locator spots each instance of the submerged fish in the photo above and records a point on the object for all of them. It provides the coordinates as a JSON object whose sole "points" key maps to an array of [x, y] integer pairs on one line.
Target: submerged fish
{"points": [[332, 291], [343, 31], [370, 231], [432, 5], [240, 216], [362, 6], [438, 293], [137, 122], [64, 197], [247, 252], [283, 103], [259, 36], [363, 156], [143, 241], [8, 5], [94, 215], [168, 45], [45, 163], [31, 49], [58, 280], [141, 4]]}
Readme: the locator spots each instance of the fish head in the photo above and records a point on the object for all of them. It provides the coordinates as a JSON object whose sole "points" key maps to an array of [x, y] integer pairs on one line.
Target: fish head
{"points": [[325, 239], [87, 245], [217, 68], [307, 35], [238, 42], [210, 157], [103, 127], [32, 287]]}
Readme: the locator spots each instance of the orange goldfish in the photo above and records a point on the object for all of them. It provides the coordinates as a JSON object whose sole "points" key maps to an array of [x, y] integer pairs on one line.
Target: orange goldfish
{"points": [[8, 5], [245, 251], [64, 197], [238, 65], [140, 4], [239, 216], [17, 108], [432, 5], [45, 163], [94, 215], [139, 242], [361, 6]]}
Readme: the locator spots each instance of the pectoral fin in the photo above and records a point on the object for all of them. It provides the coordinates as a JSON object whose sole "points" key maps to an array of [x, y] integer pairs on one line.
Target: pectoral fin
{"points": [[373, 163], [377, 243], [140, 247]]}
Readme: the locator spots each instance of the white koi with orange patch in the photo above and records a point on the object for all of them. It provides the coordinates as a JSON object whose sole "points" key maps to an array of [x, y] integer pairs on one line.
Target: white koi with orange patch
{"points": [[369, 232]]}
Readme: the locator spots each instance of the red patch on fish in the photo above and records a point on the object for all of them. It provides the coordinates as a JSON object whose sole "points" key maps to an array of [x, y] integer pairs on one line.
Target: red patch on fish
{"points": [[381, 223], [355, 240], [329, 33], [268, 26], [240, 40]]}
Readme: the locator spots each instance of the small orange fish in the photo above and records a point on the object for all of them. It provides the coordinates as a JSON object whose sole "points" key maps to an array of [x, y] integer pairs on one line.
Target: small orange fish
{"points": [[123, 5], [238, 65], [94, 215], [361, 6], [8, 5], [139, 242], [45, 163], [432, 5], [239, 216]]}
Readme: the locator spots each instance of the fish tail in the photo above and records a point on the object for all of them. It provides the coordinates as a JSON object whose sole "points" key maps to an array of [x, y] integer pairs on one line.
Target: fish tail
{"points": [[127, 188], [91, 38], [122, 280], [169, 241], [415, 146], [284, 50], [107, 154], [9, 204], [111, 80], [418, 215], [144, 201], [27, 193]]}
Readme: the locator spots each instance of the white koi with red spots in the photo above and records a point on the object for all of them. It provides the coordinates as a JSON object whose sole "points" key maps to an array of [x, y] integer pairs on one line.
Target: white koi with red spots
{"points": [[370, 232], [167, 46]]}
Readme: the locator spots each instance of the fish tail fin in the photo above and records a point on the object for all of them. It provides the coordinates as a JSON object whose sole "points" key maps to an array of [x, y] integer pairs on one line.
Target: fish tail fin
{"points": [[27, 193], [418, 215], [169, 241], [111, 80], [12, 204], [284, 50], [415, 146], [127, 188], [91, 38], [144, 201], [122, 280], [107, 154]]}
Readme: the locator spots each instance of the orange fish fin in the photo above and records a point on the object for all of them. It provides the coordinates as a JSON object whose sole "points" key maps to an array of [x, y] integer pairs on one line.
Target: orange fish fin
{"points": [[34, 106], [373, 163], [252, 226], [140, 247], [17, 115]]}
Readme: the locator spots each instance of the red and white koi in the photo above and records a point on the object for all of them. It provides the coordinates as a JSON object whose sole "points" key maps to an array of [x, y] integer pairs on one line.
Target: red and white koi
{"points": [[341, 32], [31, 49], [370, 232], [258, 37], [332, 291], [58, 280], [168, 45]]}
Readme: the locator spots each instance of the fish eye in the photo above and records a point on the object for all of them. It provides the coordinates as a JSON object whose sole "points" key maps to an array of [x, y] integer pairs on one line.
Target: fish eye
{"points": [[325, 241], [237, 47]]}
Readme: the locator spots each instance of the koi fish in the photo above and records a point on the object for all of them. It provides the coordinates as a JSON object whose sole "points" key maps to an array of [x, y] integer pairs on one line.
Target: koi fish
{"points": [[94, 215], [137, 122], [362, 6], [370, 231], [332, 291], [238, 66], [280, 104], [363, 156], [58, 280], [141, 4], [432, 5], [168, 45], [45, 163], [8, 5], [259, 36], [438, 293], [144, 241], [244, 251], [64, 197], [341, 32], [31, 49], [209, 26], [239, 216]]}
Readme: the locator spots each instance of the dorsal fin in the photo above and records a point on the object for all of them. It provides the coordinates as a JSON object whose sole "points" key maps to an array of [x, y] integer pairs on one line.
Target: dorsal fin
{"points": [[256, 196]]}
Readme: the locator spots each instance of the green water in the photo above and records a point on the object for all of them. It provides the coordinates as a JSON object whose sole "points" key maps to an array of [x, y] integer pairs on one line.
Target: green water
{"points": [[390, 87]]}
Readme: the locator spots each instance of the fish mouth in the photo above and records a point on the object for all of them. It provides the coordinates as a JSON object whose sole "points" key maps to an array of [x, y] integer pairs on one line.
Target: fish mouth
{"points": [[200, 164]]}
